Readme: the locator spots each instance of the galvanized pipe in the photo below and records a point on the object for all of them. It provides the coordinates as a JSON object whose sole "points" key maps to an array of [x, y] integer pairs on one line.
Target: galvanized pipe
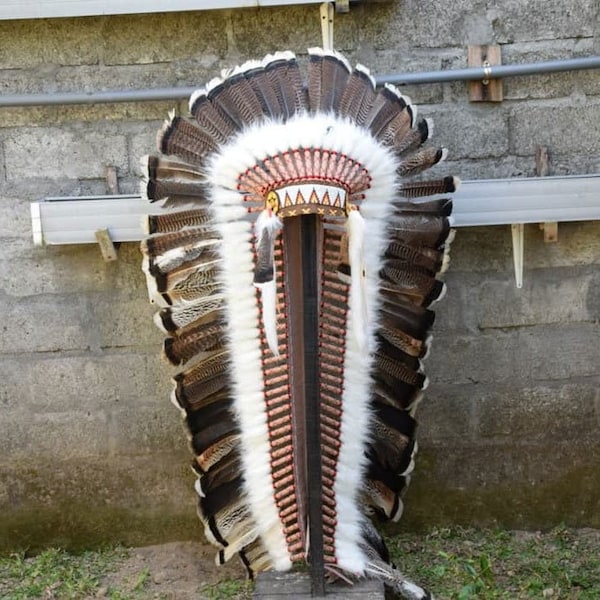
{"points": [[179, 93]]}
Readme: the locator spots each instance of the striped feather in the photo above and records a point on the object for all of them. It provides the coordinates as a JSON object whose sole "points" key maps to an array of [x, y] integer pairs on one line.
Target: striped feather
{"points": [[172, 222], [414, 138], [211, 117], [420, 160], [202, 337], [418, 189], [359, 95], [185, 139], [328, 74]]}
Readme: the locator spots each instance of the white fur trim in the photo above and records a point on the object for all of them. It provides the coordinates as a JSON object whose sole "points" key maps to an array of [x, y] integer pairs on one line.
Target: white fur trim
{"points": [[251, 146], [243, 338]]}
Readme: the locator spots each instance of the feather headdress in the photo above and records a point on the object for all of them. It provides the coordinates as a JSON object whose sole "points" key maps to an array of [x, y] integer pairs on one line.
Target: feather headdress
{"points": [[262, 163]]}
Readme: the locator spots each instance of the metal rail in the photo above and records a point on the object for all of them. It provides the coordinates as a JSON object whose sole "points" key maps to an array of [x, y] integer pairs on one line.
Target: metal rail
{"points": [[73, 220], [180, 93]]}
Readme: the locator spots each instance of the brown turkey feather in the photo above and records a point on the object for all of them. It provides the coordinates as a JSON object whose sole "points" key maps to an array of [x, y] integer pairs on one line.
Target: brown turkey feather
{"points": [[327, 79], [400, 126], [420, 160], [185, 139], [388, 103], [429, 259], [162, 243], [421, 229], [414, 138], [202, 337], [175, 221], [281, 72], [418, 189], [211, 117]]}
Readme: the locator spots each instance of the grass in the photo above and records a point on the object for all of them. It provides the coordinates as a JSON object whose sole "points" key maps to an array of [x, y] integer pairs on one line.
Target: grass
{"points": [[455, 564], [56, 574], [463, 564], [228, 588]]}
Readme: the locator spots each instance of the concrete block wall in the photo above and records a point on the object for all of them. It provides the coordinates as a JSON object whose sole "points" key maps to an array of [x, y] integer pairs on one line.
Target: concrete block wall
{"points": [[92, 450]]}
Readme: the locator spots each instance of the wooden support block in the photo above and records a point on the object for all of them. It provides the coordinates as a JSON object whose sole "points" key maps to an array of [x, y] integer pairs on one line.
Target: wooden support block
{"points": [[550, 232], [486, 90], [272, 585], [112, 182], [342, 6], [541, 169], [109, 252], [541, 161]]}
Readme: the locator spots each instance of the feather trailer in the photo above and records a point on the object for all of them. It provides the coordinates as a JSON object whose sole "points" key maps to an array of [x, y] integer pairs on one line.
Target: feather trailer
{"points": [[298, 231]]}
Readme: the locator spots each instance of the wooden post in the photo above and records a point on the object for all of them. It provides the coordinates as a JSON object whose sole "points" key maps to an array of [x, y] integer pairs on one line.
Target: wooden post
{"points": [[309, 237]]}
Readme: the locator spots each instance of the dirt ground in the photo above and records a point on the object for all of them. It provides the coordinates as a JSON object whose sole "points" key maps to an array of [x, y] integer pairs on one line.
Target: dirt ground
{"points": [[175, 571]]}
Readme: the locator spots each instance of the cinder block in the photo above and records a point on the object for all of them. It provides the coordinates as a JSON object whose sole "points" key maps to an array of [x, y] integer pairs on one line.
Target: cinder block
{"points": [[519, 486], [81, 504], [52, 434], [258, 32], [538, 414], [147, 429], [44, 43], [399, 60], [547, 296], [64, 152], [15, 216], [532, 126], [490, 168], [494, 251], [143, 142], [466, 132], [163, 38], [578, 245], [13, 374], [50, 382], [124, 319], [428, 25], [47, 323], [549, 352], [542, 20], [447, 415], [70, 269]]}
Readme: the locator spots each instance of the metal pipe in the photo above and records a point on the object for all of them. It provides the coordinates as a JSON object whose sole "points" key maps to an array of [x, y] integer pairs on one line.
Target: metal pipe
{"points": [[160, 94], [491, 72], [108, 97]]}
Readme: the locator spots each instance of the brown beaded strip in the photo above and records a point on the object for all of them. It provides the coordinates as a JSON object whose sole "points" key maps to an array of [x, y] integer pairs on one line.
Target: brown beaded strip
{"points": [[277, 401], [332, 327]]}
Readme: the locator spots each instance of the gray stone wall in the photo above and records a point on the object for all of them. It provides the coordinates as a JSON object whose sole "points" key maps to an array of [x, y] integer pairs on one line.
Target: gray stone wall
{"points": [[92, 450]]}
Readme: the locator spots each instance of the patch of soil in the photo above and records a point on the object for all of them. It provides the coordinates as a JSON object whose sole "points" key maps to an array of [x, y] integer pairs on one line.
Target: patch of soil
{"points": [[175, 571]]}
